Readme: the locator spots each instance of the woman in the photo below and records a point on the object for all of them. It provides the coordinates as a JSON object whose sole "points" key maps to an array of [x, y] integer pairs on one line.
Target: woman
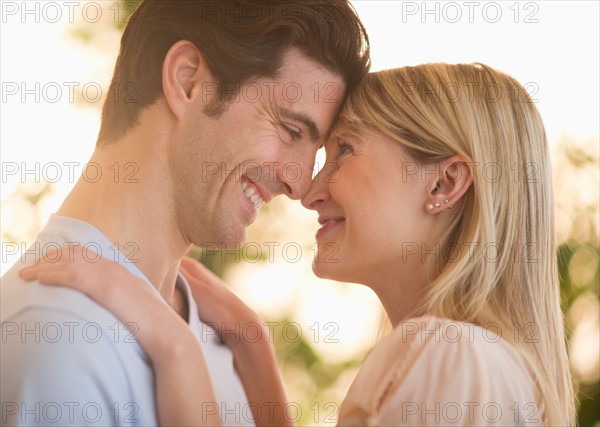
{"points": [[440, 200]]}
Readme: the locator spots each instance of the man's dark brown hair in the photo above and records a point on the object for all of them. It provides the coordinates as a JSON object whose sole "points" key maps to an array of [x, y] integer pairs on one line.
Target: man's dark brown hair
{"points": [[239, 40]]}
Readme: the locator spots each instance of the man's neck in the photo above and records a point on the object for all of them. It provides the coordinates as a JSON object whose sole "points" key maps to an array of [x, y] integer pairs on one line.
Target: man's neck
{"points": [[130, 203]]}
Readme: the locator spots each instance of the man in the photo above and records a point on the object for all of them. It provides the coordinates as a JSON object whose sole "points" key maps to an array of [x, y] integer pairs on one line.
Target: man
{"points": [[214, 108]]}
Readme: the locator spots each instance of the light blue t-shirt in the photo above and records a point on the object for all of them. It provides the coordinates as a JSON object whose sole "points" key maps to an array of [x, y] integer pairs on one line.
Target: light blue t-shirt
{"points": [[65, 360]]}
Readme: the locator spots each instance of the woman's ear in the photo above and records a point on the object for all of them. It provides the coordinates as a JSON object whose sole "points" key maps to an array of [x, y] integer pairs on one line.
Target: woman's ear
{"points": [[184, 75], [452, 182]]}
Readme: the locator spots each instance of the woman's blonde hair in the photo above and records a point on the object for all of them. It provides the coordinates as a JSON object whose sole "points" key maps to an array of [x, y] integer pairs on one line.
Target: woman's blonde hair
{"points": [[498, 256]]}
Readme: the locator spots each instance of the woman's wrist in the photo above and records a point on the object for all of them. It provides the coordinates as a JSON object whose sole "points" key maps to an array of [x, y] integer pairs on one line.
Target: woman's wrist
{"points": [[256, 364], [252, 348], [177, 346], [163, 335]]}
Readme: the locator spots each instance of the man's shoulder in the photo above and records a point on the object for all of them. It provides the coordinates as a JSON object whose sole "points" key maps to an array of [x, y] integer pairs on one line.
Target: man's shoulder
{"points": [[66, 369], [65, 360], [61, 348], [61, 317]]}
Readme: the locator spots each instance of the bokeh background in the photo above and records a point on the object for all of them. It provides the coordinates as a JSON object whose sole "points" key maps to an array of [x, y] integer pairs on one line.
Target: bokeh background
{"points": [[56, 63]]}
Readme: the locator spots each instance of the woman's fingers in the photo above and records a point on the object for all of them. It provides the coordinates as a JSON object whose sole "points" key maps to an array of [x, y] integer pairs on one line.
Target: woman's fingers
{"points": [[55, 277], [32, 271], [29, 273], [63, 256], [69, 267], [50, 273]]}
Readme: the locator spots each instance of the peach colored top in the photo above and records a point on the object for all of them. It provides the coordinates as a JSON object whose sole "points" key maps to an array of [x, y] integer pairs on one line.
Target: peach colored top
{"points": [[434, 371]]}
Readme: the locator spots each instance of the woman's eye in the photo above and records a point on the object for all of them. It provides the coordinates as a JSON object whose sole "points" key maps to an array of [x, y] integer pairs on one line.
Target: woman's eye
{"points": [[344, 148]]}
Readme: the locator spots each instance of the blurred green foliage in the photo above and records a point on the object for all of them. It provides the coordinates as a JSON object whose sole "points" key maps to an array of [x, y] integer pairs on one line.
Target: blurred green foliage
{"points": [[588, 392]]}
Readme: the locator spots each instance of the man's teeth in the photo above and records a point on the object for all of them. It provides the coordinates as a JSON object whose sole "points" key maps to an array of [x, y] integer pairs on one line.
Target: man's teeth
{"points": [[252, 195]]}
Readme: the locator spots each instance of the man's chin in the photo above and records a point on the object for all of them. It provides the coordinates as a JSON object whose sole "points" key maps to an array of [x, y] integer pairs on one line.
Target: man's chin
{"points": [[234, 245], [221, 243]]}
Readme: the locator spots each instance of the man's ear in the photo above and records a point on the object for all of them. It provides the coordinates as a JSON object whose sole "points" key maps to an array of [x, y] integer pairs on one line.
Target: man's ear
{"points": [[452, 182], [183, 73]]}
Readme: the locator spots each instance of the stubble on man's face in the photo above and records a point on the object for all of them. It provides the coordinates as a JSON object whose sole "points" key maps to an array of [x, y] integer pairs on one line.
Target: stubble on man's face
{"points": [[249, 142]]}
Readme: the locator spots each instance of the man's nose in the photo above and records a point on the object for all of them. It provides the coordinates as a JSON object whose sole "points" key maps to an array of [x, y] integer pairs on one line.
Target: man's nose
{"points": [[296, 178]]}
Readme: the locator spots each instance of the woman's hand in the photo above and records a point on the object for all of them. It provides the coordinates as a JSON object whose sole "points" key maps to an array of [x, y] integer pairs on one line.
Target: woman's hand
{"points": [[79, 269], [218, 306], [255, 358]]}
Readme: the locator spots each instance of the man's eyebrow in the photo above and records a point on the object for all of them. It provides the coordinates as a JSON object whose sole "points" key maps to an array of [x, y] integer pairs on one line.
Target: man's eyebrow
{"points": [[315, 134]]}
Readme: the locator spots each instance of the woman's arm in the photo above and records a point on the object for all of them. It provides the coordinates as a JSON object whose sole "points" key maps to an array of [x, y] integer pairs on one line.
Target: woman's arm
{"points": [[254, 357], [183, 386]]}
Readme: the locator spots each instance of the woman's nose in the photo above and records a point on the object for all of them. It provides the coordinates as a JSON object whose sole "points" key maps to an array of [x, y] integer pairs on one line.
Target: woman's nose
{"points": [[318, 193]]}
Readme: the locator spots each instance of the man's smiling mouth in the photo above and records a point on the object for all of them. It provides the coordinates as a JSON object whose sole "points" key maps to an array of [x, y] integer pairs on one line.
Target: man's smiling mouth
{"points": [[252, 194]]}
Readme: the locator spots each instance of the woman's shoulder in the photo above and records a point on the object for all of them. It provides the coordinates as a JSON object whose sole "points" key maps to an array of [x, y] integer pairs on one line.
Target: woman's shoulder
{"points": [[442, 340], [449, 337], [433, 361]]}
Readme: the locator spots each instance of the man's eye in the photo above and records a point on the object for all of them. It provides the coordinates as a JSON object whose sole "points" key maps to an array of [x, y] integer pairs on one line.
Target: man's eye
{"points": [[293, 131]]}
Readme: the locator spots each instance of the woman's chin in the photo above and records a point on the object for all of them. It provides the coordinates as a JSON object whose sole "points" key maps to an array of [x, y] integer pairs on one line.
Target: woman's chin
{"points": [[322, 271], [330, 271]]}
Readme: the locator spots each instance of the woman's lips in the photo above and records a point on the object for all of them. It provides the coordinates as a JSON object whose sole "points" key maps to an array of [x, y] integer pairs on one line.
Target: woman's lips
{"points": [[327, 225]]}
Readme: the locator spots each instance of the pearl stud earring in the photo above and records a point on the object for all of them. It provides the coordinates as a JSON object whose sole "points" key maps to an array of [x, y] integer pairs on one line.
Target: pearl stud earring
{"points": [[429, 206]]}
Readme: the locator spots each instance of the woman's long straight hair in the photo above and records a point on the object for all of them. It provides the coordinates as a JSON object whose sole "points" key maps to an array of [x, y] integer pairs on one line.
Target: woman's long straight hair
{"points": [[498, 257]]}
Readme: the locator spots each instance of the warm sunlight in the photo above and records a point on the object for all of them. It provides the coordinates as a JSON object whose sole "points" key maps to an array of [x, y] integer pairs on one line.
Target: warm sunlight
{"points": [[56, 63]]}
